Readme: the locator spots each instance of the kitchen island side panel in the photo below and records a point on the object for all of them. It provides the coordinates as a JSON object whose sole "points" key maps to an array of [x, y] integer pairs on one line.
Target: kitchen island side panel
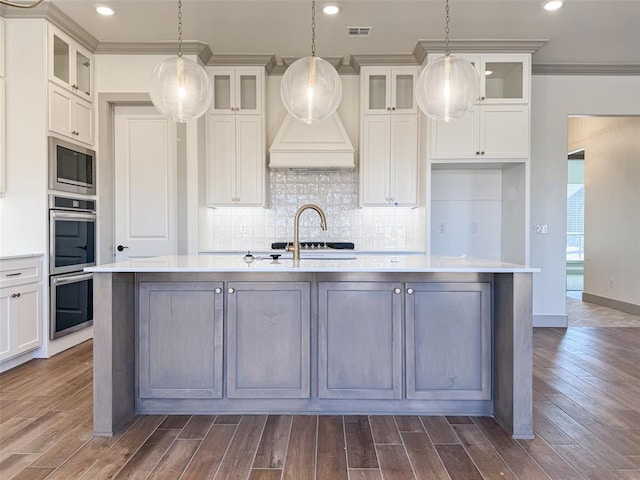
{"points": [[513, 353], [113, 351]]}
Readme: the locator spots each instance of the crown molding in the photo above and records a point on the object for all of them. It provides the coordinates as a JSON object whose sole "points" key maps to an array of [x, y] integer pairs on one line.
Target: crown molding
{"points": [[57, 17], [423, 47], [337, 62], [266, 60], [200, 49], [585, 69], [392, 59]]}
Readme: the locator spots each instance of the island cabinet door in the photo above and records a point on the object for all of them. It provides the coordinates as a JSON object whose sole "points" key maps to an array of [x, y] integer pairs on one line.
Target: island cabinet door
{"points": [[448, 341], [180, 339], [359, 340], [268, 339]]}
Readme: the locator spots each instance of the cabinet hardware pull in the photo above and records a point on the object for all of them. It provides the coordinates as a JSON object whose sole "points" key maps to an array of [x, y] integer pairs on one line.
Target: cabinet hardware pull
{"points": [[393, 108], [481, 153], [396, 290], [409, 291], [233, 109], [15, 295], [230, 290], [74, 86], [17, 274], [477, 153], [389, 108], [218, 290]]}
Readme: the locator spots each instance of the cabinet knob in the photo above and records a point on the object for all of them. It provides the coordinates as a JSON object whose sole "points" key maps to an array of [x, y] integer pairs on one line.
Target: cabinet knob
{"points": [[15, 295], [237, 109], [230, 290], [481, 98], [74, 86], [218, 290], [396, 290], [477, 153], [393, 108], [409, 291], [389, 108], [233, 109], [481, 153]]}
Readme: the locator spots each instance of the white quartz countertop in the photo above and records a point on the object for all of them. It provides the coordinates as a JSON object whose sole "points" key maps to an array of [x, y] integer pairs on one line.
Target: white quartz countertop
{"points": [[335, 263]]}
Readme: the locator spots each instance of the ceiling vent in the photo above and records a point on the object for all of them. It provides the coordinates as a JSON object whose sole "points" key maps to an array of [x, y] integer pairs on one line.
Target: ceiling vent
{"points": [[358, 31]]}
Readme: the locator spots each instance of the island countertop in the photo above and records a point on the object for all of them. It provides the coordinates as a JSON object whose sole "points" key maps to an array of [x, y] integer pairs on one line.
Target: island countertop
{"points": [[338, 262]]}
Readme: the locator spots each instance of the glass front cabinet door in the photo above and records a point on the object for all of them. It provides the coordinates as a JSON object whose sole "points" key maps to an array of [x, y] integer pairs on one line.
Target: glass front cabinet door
{"points": [[70, 65], [236, 90], [389, 89]]}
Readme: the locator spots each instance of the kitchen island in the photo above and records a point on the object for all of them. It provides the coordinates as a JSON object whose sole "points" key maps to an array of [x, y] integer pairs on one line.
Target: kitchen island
{"points": [[213, 334]]}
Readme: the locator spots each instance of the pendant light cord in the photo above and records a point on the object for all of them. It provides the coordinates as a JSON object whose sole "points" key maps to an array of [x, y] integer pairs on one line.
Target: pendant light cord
{"points": [[446, 32], [313, 28], [20, 5], [180, 28]]}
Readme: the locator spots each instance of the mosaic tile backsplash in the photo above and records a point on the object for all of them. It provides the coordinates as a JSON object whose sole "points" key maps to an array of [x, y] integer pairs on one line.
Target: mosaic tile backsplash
{"points": [[371, 229]]}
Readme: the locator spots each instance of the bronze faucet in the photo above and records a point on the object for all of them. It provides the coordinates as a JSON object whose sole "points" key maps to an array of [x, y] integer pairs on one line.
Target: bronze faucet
{"points": [[295, 246]]}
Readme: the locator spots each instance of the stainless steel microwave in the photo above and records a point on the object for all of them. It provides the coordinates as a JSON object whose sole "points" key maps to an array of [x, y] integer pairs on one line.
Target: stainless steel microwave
{"points": [[71, 167]]}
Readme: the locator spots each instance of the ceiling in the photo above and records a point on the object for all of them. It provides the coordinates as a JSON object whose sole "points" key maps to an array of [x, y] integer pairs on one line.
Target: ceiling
{"points": [[582, 32]]}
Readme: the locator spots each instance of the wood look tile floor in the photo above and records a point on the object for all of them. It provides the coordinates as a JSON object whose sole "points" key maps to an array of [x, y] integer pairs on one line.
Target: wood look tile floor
{"points": [[586, 418]]}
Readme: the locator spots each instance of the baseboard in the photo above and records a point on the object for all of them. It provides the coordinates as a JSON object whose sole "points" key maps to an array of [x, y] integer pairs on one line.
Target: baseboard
{"points": [[561, 321], [16, 361], [611, 303]]}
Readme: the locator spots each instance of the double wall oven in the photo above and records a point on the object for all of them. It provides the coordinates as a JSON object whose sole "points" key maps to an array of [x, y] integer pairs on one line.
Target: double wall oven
{"points": [[72, 246]]}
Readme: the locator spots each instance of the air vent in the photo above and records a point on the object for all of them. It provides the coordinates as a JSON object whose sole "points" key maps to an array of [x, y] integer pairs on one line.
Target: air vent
{"points": [[358, 31]]}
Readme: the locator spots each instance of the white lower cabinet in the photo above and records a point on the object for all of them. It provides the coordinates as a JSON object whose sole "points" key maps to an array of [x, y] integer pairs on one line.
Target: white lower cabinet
{"points": [[70, 115], [389, 160], [235, 160], [20, 307], [486, 132]]}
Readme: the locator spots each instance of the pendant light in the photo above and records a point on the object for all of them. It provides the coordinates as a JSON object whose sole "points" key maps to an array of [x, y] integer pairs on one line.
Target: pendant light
{"points": [[449, 86], [180, 88], [311, 88], [21, 5]]}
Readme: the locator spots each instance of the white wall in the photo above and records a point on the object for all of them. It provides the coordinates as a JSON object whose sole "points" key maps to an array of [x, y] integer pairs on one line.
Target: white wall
{"points": [[553, 99], [132, 74], [612, 199]]}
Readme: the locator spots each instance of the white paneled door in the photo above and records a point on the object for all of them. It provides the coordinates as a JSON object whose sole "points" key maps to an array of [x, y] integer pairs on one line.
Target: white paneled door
{"points": [[145, 183]]}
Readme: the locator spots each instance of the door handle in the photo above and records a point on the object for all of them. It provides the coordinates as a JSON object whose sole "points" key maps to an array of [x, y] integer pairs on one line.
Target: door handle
{"points": [[120, 248]]}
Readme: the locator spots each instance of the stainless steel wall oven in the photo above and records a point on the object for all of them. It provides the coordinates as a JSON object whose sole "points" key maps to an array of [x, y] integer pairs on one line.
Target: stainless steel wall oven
{"points": [[72, 246]]}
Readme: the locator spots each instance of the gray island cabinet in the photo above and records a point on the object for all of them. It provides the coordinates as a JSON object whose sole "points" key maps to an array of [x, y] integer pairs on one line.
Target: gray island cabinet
{"points": [[373, 335]]}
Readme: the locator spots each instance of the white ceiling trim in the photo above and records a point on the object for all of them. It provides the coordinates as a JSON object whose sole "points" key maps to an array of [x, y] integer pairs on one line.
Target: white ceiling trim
{"points": [[584, 69]]}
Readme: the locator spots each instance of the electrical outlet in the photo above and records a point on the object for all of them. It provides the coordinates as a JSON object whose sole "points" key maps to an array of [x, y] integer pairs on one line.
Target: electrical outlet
{"points": [[474, 227], [377, 229], [611, 284], [243, 229], [541, 228], [442, 227]]}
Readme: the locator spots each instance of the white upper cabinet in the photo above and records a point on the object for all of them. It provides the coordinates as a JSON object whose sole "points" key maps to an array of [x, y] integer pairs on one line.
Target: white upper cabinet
{"points": [[70, 65], [237, 90], [389, 136], [497, 127], [486, 132], [389, 90], [69, 115]]}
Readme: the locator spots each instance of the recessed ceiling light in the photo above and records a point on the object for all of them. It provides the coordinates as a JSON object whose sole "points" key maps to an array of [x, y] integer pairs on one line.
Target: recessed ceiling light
{"points": [[104, 10], [552, 4], [330, 8]]}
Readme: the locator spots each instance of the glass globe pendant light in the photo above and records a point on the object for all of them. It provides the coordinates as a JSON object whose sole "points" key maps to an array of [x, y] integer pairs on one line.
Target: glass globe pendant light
{"points": [[449, 86], [311, 88], [180, 88]]}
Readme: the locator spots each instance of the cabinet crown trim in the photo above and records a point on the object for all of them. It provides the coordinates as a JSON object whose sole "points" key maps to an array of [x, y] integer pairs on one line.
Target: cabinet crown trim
{"points": [[423, 47]]}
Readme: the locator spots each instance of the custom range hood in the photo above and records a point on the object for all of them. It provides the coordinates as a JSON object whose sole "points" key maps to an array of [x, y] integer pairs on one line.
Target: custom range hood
{"points": [[322, 145]]}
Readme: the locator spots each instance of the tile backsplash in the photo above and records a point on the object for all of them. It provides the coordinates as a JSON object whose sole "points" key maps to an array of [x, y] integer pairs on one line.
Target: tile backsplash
{"points": [[371, 229]]}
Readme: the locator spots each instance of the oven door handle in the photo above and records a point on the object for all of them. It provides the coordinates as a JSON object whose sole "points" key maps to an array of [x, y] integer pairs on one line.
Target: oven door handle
{"points": [[61, 214], [72, 278]]}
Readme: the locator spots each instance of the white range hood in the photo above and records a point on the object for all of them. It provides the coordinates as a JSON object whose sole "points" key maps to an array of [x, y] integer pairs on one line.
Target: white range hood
{"points": [[322, 145]]}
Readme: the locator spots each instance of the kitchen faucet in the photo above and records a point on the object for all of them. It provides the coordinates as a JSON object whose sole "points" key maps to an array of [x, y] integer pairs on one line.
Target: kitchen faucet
{"points": [[295, 246]]}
